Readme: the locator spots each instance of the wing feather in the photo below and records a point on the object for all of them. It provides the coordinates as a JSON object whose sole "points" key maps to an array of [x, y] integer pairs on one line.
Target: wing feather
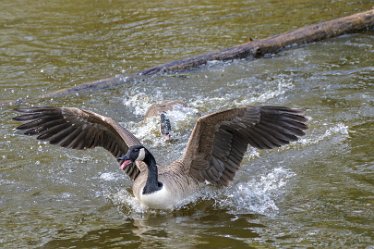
{"points": [[218, 142], [77, 129]]}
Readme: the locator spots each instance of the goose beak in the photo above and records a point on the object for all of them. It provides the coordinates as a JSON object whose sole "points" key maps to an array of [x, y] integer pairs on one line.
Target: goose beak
{"points": [[125, 161]]}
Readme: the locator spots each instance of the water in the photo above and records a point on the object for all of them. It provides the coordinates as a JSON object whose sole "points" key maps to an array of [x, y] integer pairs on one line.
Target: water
{"points": [[315, 193]]}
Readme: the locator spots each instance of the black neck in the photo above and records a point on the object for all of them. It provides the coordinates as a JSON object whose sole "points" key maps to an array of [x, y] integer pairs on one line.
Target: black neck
{"points": [[152, 184]]}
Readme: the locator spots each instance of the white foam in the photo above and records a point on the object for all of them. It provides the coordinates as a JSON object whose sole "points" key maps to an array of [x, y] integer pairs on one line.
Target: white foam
{"points": [[259, 195], [338, 129], [179, 113], [208, 104], [146, 131], [282, 86], [124, 197], [138, 102], [180, 117], [110, 176]]}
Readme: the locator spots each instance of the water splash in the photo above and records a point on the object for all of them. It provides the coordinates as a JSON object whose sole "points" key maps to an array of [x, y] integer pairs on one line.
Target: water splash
{"points": [[147, 131], [209, 104], [181, 117], [259, 195], [273, 89], [126, 200], [338, 129], [139, 102], [110, 176], [180, 113]]}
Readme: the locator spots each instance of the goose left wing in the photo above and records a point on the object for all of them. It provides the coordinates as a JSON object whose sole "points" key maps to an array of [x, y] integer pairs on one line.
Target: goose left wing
{"points": [[218, 142]]}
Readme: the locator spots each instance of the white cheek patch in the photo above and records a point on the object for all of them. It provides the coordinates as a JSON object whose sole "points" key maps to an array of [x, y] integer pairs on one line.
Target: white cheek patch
{"points": [[141, 155]]}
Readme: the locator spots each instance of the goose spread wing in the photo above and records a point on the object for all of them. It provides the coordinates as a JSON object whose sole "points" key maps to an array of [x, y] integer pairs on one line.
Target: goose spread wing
{"points": [[77, 129], [218, 142]]}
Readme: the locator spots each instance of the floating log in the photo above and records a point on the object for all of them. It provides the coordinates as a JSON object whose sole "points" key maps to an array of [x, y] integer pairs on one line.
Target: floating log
{"points": [[350, 24]]}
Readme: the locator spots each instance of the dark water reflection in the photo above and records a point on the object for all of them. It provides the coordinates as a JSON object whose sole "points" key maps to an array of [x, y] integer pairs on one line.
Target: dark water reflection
{"points": [[180, 229], [317, 193]]}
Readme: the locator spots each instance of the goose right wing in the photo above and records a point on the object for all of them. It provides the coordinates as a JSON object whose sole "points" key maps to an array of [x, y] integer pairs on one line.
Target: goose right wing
{"points": [[218, 142], [77, 129]]}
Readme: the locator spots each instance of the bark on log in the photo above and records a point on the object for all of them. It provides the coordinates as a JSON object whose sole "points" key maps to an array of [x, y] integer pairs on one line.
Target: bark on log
{"points": [[324, 30]]}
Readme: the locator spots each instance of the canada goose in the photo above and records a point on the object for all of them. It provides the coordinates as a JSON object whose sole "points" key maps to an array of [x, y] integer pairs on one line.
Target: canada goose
{"points": [[160, 109], [213, 154]]}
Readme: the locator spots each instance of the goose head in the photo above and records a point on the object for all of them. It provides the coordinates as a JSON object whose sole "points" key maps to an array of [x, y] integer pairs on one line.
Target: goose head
{"points": [[140, 153], [134, 153]]}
